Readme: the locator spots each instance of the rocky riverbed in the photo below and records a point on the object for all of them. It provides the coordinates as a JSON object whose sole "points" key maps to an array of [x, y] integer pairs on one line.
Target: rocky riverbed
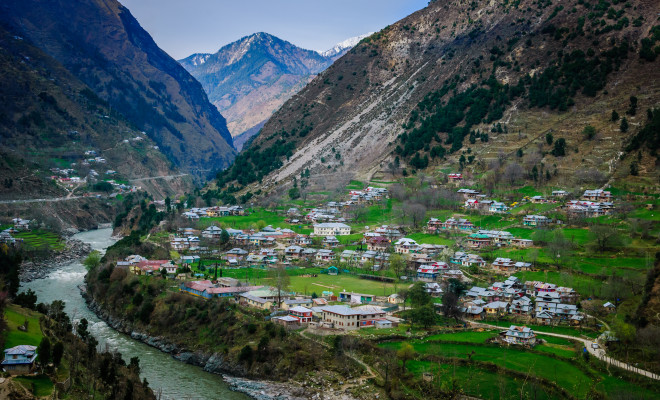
{"points": [[74, 250]]}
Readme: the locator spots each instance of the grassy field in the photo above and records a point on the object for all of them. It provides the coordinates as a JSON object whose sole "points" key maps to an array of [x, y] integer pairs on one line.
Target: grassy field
{"points": [[338, 283], [41, 239], [563, 330], [477, 381], [15, 317], [40, 385], [427, 238], [561, 372]]}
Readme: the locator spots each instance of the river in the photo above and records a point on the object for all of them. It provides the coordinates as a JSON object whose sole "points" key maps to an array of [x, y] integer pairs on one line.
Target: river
{"points": [[175, 379]]}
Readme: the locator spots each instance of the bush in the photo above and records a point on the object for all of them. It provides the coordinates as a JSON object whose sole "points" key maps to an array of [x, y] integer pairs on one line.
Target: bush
{"points": [[246, 354]]}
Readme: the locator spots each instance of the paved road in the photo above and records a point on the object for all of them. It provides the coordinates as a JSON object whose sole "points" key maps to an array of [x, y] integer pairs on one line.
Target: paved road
{"points": [[157, 177], [49, 200], [598, 353]]}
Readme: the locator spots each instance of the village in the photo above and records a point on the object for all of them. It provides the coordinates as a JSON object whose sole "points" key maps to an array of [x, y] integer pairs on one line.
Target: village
{"points": [[341, 278]]}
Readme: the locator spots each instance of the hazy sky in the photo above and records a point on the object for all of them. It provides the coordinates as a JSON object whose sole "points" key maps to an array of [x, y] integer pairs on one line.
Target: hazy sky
{"points": [[183, 27]]}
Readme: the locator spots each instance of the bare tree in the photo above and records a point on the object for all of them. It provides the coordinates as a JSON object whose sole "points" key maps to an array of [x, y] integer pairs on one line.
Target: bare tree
{"points": [[513, 172], [416, 212], [605, 237]]}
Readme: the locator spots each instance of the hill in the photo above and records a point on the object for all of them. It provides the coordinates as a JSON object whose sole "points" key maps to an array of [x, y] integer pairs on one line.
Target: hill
{"points": [[102, 45], [249, 79], [473, 86]]}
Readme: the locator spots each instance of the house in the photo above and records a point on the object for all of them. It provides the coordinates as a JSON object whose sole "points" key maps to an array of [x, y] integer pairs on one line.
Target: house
{"points": [[255, 301], [287, 321], [477, 241], [536, 220], [383, 324], [330, 241], [468, 193], [212, 232], [544, 318], [521, 306], [356, 298], [431, 272], [346, 318], [319, 301], [433, 289], [21, 224], [325, 256], [293, 252], [169, 268], [473, 312], [147, 267], [455, 177], [521, 335], [597, 195], [302, 313], [460, 224], [19, 359], [378, 243], [498, 207], [434, 225], [331, 228], [496, 308], [394, 299], [302, 240], [349, 256], [406, 246], [609, 307], [538, 200], [235, 254], [290, 303], [453, 274], [559, 193]]}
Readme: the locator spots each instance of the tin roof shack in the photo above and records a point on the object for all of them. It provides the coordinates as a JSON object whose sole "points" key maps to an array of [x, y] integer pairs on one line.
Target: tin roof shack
{"points": [[19, 359], [519, 335]]}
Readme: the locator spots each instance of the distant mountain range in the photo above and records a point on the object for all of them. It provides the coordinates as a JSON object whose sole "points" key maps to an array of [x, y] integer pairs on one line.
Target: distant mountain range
{"points": [[249, 79]]}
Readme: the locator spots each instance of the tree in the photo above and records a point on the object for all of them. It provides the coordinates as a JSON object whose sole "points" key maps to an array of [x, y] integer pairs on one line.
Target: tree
{"points": [[397, 264], [605, 237], [548, 138], [633, 106], [589, 132], [558, 246], [405, 353], [418, 295], [513, 172], [81, 329], [425, 315], [27, 299], [281, 281], [624, 125], [168, 204], [224, 237], [44, 352], [615, 116], [450, 305], [560, 148], [93, 260], [58, 352]]}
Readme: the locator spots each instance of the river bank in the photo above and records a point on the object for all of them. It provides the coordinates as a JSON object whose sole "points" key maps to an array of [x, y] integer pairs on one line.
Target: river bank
{"points": [[74, 250], [232, 373]]}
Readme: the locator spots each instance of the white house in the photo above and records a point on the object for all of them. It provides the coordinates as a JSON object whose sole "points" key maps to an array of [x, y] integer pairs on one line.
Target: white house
{"points": [[331, 228]]}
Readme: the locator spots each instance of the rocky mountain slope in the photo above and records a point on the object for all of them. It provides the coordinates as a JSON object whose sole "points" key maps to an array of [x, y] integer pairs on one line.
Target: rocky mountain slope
{"points": [[249, 79], [100, 43], [473, 85], [50, 119]]}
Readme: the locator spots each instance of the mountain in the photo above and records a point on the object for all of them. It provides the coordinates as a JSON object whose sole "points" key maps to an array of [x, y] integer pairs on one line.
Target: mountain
{"points": [[249, 79], [478, 86], [342, 47], [102, 45]]}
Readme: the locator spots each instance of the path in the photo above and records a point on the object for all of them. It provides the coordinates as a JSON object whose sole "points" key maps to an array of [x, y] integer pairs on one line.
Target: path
{"points": [[599, 353]]}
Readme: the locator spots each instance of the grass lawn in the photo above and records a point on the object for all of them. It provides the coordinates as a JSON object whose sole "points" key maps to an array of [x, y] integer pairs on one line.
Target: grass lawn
{"points": [[584, 285], [466, 336], [477, 381], [563, 373], [247, 221], [15, 317], [427, 238], [563, 330], [338, 283], [41, 384], [618, 388], [38, 239]]}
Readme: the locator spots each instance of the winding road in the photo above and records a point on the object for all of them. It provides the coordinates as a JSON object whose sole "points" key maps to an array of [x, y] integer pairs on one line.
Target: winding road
{"points": [[599, 353]]}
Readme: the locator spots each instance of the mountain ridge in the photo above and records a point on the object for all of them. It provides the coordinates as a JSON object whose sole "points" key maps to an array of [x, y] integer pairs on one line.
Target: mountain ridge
{"points": [[248, 79], [427, 91], [105, 47]]}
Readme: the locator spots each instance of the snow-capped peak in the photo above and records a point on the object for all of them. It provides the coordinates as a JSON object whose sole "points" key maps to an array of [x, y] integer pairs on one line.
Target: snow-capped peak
{"points": [[345, 45]]}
